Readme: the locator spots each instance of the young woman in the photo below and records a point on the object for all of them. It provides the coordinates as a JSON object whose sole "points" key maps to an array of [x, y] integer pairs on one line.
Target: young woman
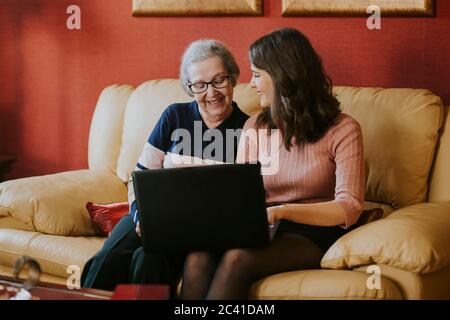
{"points": [[317, 191]]}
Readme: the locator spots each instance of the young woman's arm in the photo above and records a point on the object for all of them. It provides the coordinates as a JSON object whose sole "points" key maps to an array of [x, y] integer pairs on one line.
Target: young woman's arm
{"points": [[318, 214], [347, 148]]}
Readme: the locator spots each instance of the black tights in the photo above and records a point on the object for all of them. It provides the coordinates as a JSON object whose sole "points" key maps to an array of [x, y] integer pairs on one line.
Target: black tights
{"points": [[231, 274]]}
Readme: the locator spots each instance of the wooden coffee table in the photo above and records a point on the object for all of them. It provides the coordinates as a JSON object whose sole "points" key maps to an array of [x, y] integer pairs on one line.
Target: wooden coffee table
{"points": [[47, 291]]}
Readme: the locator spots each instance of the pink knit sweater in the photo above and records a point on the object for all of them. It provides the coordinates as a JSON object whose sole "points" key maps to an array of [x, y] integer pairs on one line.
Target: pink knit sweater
{"points": [[331, 169]]}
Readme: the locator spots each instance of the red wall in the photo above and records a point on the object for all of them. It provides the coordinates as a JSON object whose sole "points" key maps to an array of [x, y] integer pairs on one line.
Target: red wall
{"points": [[51, 77]]}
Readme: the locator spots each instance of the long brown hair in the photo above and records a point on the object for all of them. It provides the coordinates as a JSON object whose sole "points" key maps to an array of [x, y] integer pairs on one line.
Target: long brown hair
{"points": [[304, 106]]}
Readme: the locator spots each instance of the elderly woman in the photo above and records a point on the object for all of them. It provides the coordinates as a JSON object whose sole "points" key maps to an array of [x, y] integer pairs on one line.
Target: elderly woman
{"points": [[208, 73]]}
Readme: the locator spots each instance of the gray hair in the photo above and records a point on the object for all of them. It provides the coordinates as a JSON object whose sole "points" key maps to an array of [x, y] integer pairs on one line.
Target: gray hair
{"points": [[203, 49]]}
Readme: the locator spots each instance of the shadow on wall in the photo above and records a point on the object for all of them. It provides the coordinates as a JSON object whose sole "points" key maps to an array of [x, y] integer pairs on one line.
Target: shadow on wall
{"points": [[46, 71], [13, 19], [420, 70], [38, 115]]}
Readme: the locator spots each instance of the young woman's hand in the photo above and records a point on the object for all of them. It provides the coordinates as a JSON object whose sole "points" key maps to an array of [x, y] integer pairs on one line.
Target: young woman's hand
{"points": [[274, 214]]}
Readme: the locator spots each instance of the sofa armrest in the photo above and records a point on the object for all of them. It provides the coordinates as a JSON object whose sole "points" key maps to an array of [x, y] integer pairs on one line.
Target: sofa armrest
{"points": [[414, 238], [56, 203]]}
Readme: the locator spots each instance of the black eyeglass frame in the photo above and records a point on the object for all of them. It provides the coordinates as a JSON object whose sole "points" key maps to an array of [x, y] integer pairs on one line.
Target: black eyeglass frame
{"points": [[207, 83]]}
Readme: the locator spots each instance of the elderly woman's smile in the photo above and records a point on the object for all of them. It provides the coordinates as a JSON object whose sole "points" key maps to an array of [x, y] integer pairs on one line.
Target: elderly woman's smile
{"points": [[215, 102]]}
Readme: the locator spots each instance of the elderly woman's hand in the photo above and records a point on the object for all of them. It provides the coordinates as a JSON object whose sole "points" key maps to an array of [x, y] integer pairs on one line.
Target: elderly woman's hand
{"points": [[138, 229]]}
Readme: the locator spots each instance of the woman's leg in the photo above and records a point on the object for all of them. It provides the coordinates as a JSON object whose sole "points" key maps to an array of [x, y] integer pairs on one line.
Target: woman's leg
{"points": [[239, 268], [199, 270], [157, 268], [110, 266]]}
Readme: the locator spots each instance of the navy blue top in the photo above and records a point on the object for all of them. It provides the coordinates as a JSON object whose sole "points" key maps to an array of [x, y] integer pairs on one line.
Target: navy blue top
{"points": [[181, 130]]}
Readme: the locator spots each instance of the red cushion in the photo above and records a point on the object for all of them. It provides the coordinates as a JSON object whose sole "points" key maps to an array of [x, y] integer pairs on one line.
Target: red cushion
{"points": [[106, 216]]}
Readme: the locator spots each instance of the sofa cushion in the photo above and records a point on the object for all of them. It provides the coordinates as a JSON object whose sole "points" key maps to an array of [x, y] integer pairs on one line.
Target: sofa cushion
{"points": [[106, 216], [146, 105], [247, 98], [53, 253], [13, 223], [414, 238], [55, 204], [322, 284], [144, 108], [400, 129], [105, 135]]}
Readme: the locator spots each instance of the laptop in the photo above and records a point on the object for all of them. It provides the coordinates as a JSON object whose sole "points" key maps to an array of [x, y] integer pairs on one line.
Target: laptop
{"points": [[208, 208]]}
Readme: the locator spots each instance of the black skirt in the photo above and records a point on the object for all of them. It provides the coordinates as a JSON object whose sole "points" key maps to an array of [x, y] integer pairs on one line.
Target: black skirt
{"points": [[323, 237]]}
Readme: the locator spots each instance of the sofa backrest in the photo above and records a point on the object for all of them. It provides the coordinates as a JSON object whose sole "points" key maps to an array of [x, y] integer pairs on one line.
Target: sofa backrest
{"points": [[440, 174], [400, 131], [105, 135]]}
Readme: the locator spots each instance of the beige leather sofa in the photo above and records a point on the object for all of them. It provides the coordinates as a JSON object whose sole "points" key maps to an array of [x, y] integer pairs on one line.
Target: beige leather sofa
{"points": [[405, 255]]}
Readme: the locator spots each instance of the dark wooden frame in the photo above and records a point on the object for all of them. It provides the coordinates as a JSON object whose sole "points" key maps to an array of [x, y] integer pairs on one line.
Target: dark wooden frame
{"points": [[393, 8], [198, 8]]}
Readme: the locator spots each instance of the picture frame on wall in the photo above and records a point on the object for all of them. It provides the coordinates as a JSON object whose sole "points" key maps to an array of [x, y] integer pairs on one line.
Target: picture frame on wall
{"points": [[393, 8], [197, 8]]}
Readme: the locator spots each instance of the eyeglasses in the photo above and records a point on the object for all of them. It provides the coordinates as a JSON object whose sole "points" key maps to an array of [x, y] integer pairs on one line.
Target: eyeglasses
{"points": [[202, 86]]}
